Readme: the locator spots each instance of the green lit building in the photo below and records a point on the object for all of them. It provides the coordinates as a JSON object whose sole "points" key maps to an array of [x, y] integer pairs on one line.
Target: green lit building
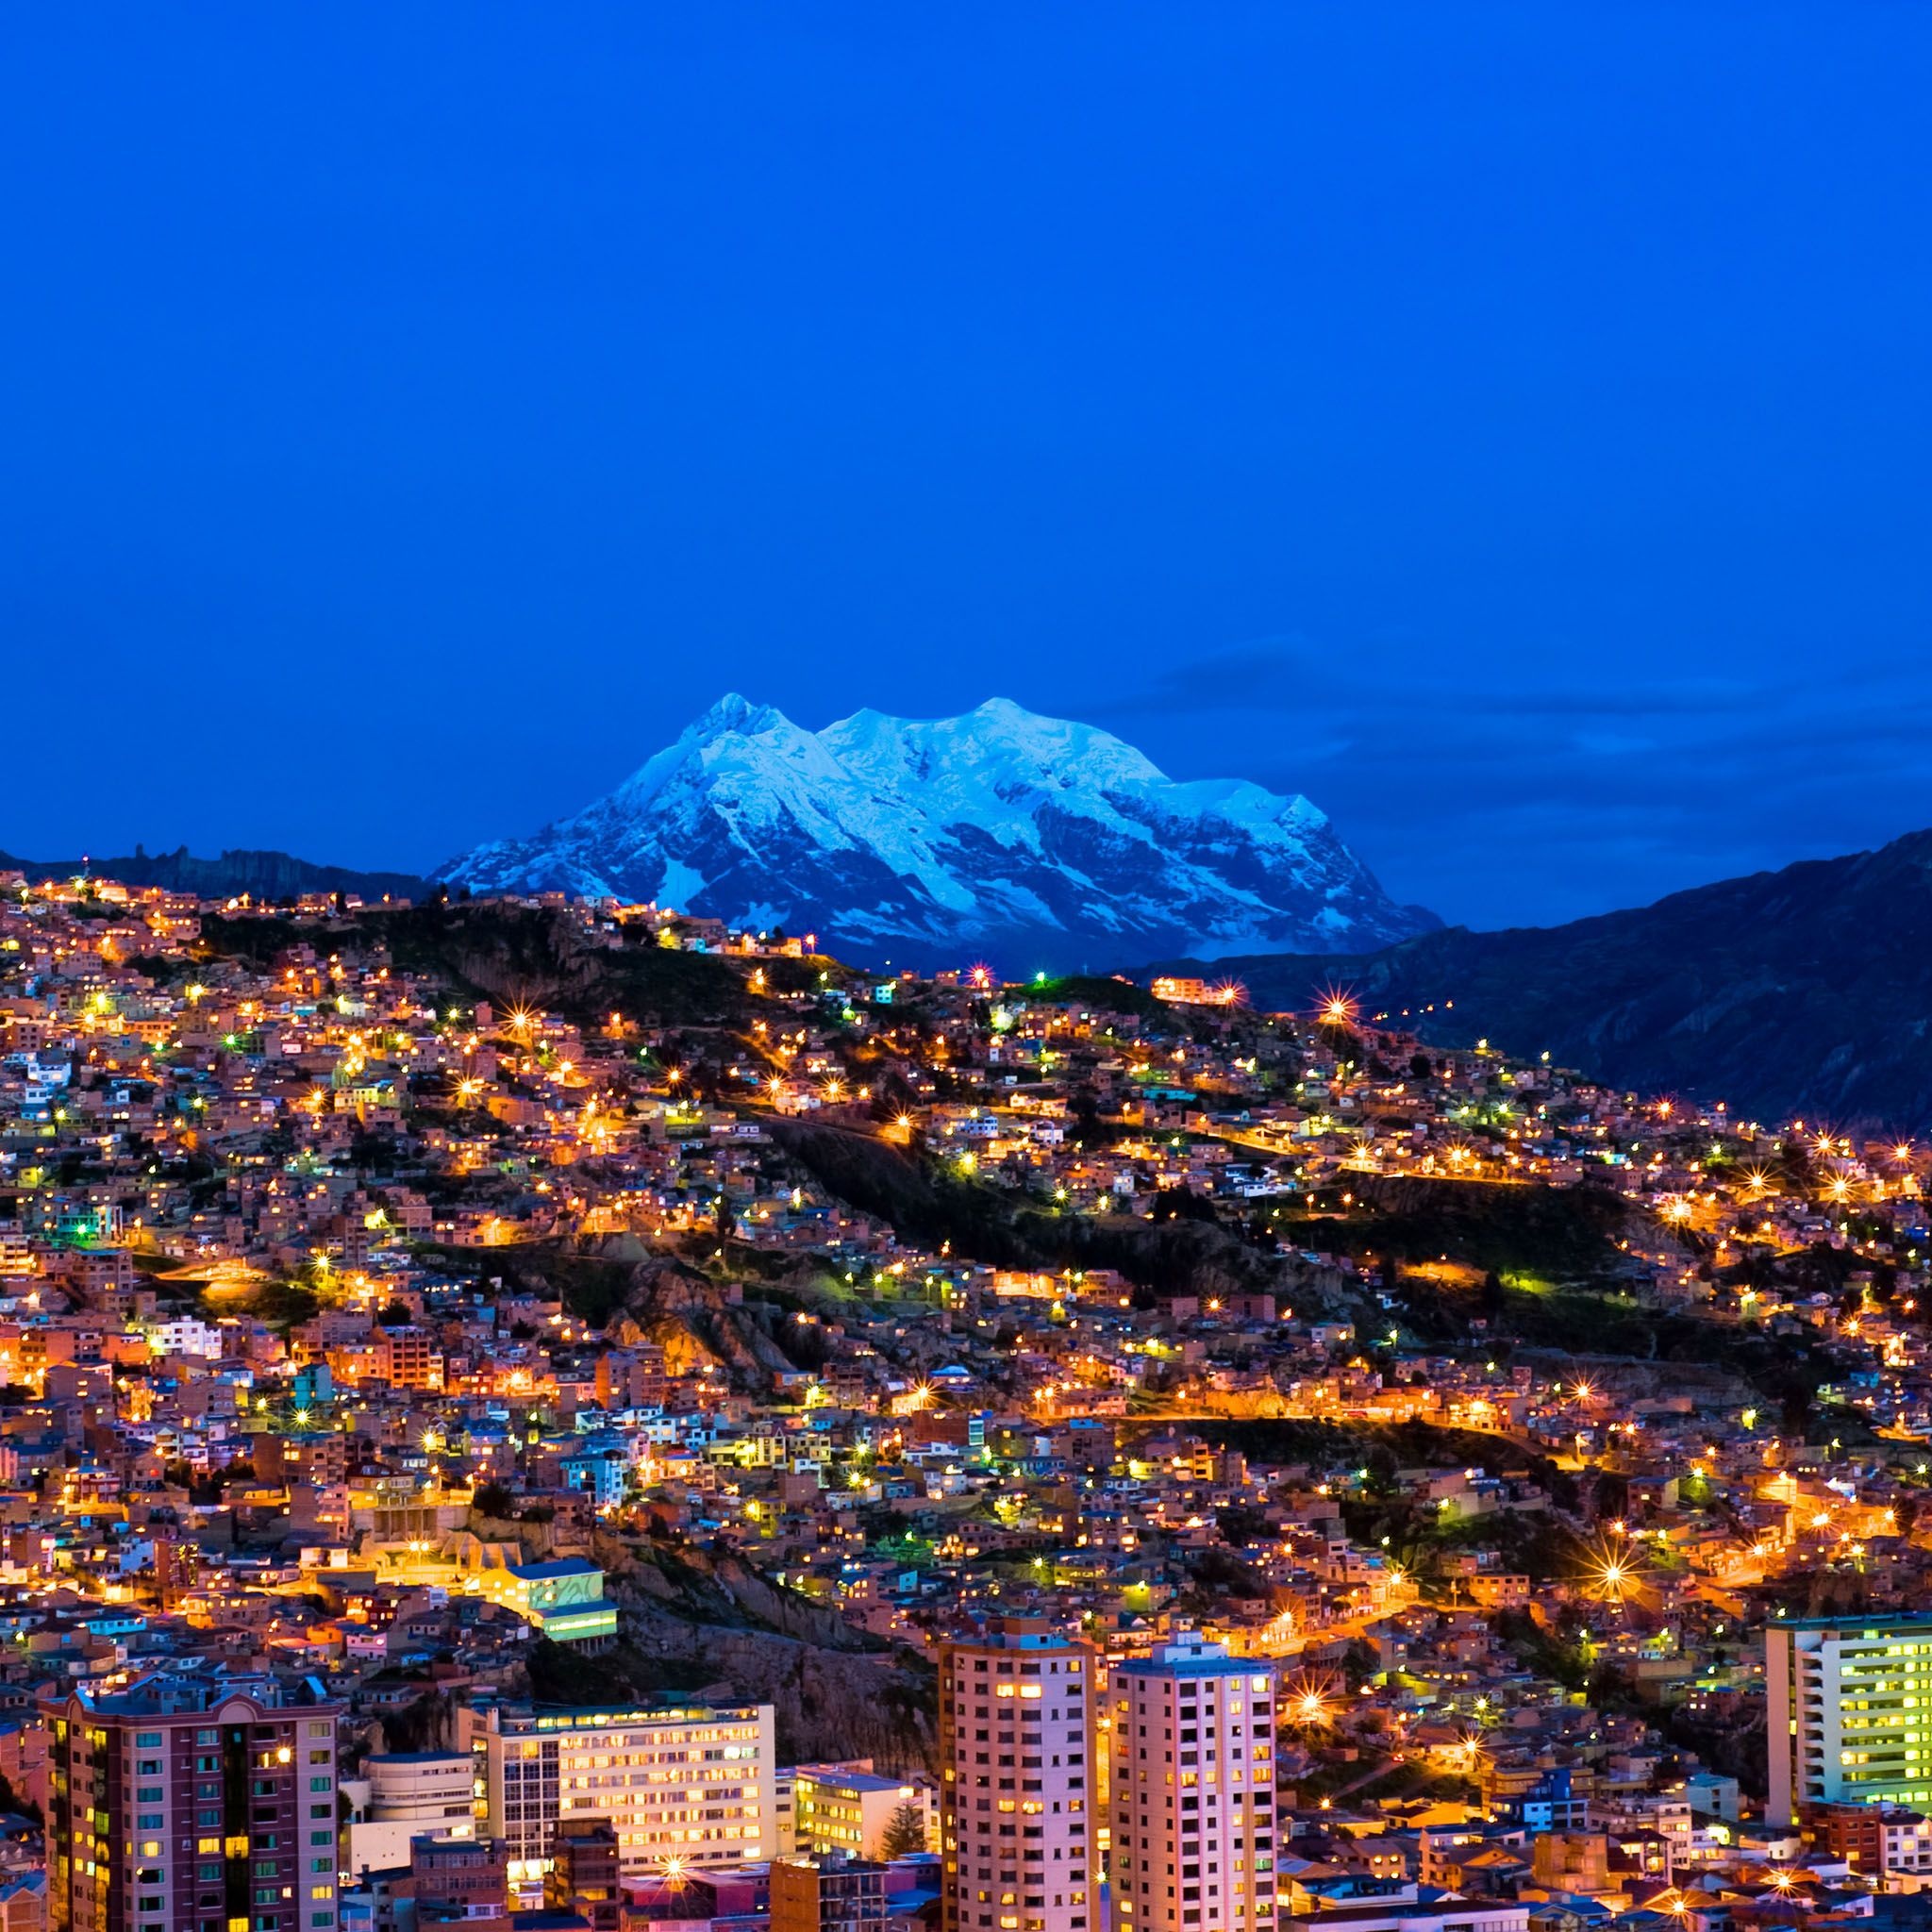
{"points": [[1849, 1712]]}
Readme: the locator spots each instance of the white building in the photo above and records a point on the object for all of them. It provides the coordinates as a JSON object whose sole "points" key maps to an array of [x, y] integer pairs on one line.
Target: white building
{"points": [[1192, 1771], [186, 1336], [412, 1793], [682, 1788], [1848, 1712], [1019, 1829], [1908, 1856]]}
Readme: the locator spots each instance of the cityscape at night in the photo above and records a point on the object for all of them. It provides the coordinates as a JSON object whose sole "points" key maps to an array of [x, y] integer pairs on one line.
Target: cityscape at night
{"points": [[614, 1395], [967, 971]]}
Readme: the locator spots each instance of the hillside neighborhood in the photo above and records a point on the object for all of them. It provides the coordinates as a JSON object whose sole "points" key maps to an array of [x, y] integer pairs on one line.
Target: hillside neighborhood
{"points": [[553, 1411]]}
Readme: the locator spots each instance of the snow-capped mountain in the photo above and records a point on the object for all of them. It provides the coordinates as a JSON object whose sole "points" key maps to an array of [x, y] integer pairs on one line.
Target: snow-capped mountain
{"points": [[1041, 843]]}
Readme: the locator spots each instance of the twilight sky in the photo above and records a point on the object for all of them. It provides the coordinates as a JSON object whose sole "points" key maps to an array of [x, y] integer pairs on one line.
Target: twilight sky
{"points": [[1507, 425]]}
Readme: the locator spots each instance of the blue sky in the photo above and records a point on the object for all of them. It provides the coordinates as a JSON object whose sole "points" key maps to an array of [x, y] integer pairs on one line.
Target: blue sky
{"points": [[1505, 424]]}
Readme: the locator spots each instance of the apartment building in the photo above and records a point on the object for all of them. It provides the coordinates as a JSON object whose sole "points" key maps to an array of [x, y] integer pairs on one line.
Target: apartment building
{"points": [[1017, 1781], [457, 1878], [1848, 1712], [850, 1807], [1192, 1774], [185, 1804], [586, 1868], [833, 1893]]}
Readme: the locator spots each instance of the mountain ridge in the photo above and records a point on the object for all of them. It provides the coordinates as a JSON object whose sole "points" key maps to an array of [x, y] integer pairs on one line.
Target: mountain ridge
{"points": [[998, 828], [262, 874], [1803, 991]]}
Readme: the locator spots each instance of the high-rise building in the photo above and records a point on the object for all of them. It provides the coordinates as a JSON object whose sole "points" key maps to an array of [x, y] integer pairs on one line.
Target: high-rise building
{"points": [[1848, 1712], [684, 1789], [1017, 1781], [1193, 1790], [185, 1804]]}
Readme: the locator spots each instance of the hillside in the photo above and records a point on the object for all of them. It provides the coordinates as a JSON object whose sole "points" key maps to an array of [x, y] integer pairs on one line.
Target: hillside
{"points": [[1803, 993]]}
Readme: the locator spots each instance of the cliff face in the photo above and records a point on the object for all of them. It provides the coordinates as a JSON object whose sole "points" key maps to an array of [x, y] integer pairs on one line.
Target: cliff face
{"points": [[829, 1706], [514, 955], [713, 1622], [1170, 1256], [697, 1323]]}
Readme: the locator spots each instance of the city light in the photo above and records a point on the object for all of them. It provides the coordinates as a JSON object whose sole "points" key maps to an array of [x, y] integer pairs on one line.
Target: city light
{"points": [[1337, 1008]]}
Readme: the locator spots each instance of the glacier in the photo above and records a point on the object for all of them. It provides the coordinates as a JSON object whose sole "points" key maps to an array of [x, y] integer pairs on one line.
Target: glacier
{"points": [[1038, 841]]}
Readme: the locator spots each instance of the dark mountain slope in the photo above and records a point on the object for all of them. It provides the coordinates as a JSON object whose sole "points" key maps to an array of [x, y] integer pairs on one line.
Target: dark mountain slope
{"points": [[1803, 993]]}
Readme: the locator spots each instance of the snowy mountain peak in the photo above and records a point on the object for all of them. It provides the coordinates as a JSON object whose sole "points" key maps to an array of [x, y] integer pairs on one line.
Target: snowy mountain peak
{"points": [[733, 715], [916, 838]]}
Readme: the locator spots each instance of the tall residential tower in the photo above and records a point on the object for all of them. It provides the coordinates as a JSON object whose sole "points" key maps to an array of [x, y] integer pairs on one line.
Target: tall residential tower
{"points": [[1848, 1712], [186, 1805], [1017, 1781], [1192, 1771]]}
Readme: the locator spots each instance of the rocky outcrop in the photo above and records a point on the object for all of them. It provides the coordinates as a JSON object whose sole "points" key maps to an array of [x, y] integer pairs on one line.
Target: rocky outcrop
{"points": [[708, 1618], [1180, 1257], [827, 1704], [698, 1323]]}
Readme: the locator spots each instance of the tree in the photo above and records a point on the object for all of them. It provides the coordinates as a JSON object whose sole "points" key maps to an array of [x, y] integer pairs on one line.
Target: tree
{"points": [[1090, 1126], [560, 1673], [1383, 1471], [1361, 1660], [1182, 1203], [494, 1499], [1794, 1410], [904, 1832], [422, 1724]]}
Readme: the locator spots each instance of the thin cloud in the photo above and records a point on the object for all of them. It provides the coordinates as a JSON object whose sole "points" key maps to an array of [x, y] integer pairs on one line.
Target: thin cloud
{"points": [[1533, 802]]}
